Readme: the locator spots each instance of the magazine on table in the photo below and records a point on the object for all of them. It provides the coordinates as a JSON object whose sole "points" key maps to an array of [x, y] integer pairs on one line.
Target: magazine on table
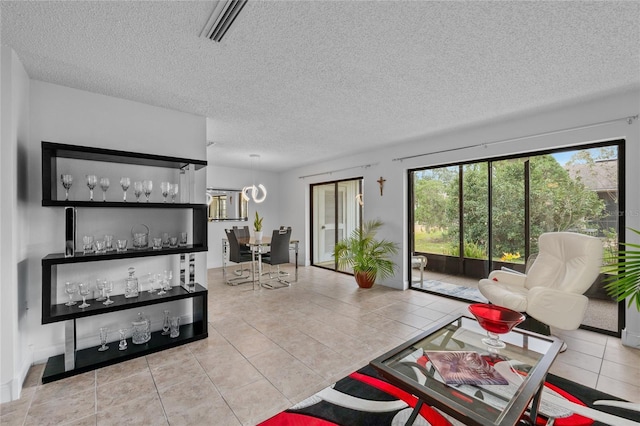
{"points": [[464, 367]]}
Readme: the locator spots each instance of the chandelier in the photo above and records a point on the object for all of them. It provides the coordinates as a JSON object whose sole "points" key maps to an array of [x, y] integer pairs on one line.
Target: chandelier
{"points": [[252, 192]]}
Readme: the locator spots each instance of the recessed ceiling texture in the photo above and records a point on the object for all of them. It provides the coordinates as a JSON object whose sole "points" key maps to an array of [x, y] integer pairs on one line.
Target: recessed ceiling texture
{"points": [[298, 82]]}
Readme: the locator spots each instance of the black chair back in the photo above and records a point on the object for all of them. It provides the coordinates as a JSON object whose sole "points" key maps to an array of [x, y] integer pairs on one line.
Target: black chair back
{"points": [[235, 254], [279, 253]]}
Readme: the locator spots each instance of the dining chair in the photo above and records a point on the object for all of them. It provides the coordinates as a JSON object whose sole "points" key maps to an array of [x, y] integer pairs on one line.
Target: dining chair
{"points": [[236, 255], [278, 255]]}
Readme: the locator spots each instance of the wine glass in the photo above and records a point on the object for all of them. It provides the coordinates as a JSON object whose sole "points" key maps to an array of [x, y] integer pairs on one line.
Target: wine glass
{"points": [[173, 191], [137, 190], [496, 320], [162, 285], [104, 184], [100, 285], [147, 186], [123, 339], [70, 288], [84, 290], [108, 288], [92, 181], [165, 324], [67, 181], [124, 183], [164, 187], [104, 331], [152, 282]]}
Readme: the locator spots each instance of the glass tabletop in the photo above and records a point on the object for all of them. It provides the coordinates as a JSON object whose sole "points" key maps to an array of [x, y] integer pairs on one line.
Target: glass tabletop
{"points": [[522, 365]]}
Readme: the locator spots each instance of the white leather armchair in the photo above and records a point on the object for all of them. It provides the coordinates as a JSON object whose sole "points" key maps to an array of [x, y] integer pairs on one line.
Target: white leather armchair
{"points": [[552, 290]]}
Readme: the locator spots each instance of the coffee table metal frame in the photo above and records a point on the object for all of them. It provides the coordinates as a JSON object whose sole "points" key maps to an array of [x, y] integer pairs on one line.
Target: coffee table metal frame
{"points": [[447, 399]]}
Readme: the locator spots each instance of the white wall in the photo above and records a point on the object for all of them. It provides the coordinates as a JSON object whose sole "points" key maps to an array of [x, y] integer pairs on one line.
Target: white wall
{"points": [[64, 115], [14, 124], [392, 206], [234, 178]]}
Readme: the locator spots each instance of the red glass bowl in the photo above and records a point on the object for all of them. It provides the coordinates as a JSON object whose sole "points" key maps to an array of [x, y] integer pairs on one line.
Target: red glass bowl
{"points": [[496, 319]]}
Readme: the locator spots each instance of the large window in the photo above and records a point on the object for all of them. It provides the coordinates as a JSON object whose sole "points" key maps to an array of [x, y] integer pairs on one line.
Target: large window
{"points": [[474, 217], [337, 211]]}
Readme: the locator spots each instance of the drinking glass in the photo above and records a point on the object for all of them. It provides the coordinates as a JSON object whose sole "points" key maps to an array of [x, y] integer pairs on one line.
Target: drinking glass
{"points": [[137, 190], [100, 285], [163, 285], [164, 187], [183, 239], [104, 184], [152, 282], [168, 277], [87, 244], [147, 186], [174, 327], [123, 339], [165, 324], [84, 290], [70, 288], [101, 247], [125, 182], [157, 243], [104, 331], [108, 288], [173, 241], [92, 181], [173, 191], [121, 245], [165, 239], [67, 181], [108, 242]]}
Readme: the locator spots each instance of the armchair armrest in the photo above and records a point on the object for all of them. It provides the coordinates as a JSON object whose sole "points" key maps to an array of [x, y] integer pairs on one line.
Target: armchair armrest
{"points": [[557, 308], [506, 277]]}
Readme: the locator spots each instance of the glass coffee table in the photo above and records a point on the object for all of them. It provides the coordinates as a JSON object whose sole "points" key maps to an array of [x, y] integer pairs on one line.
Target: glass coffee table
{"points": [[524, 362]]}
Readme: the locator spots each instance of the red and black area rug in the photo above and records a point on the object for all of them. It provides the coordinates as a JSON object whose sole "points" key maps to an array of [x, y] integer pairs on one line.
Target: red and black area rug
{"points": [[365, 398]]}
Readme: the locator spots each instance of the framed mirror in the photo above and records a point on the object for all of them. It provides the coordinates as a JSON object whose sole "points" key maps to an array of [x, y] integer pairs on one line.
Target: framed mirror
{"points": [[227, 205]]}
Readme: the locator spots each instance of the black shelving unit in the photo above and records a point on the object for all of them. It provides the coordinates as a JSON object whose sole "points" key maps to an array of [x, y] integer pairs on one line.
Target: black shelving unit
{"points": [[74, 361]]}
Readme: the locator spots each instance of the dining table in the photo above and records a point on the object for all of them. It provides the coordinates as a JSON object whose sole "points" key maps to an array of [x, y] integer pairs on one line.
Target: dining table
{"points": [[258, 248]]}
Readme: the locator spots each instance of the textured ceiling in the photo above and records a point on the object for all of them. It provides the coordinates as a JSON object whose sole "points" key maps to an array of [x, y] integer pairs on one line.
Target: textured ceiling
{"points": [[302, 81]]}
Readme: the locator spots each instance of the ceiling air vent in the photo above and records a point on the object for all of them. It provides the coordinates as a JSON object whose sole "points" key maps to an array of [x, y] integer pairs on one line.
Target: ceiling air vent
{"points": [[224, 13]]}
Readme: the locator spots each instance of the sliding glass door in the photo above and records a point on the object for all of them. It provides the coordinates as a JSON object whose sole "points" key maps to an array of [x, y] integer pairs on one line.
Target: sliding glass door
{"points": [[336, 212]]}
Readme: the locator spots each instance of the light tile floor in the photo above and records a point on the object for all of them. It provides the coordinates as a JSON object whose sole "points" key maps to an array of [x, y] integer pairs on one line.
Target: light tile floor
{"points": [[268, 349]]}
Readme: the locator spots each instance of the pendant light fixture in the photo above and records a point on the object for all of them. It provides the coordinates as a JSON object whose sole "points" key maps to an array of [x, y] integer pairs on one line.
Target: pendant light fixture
{"points": [[255, 190]]}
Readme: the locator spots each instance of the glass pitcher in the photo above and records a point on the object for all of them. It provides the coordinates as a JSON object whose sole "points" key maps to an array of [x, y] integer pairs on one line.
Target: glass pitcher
{"points": [[140, 330]]}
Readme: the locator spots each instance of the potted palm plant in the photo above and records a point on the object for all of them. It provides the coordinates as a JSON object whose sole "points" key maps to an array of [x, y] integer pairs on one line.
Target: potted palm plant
{"points": [[257, 227], [367, 256], [624, 282]]}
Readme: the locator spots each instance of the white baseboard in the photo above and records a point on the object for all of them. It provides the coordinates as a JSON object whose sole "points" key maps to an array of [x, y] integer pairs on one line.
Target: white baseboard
{"points": [[630, 339], [11, 390]]}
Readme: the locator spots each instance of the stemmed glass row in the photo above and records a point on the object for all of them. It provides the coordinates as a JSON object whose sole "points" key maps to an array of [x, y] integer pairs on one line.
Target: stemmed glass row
{"points": [[139, 187], [170, 327]]}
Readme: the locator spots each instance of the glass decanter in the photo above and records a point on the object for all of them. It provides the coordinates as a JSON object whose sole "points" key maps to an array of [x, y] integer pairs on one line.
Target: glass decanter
{"points": [[140, 330], [131, 287]]}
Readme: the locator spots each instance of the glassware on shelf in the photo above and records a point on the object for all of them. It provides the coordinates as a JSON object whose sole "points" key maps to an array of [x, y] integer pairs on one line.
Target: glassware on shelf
{"points": [[67, 181], [165, 239], [84, 290], [162, 283], [70, 288], [165, 324], [104, 184], [92, 181], [173, 241], [164, 187], [104, 332], [140, 330], [152, 282], [123, 339], [100, 285], [168, 278], [108, 288], [121, 246], [137, 190], [157, 243], [108, 242], [173, 191], [140, 234], [131, 287], [147, 187], [125, 182], [87, 244], [174, 327], [101, 247], [183, 239]]}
